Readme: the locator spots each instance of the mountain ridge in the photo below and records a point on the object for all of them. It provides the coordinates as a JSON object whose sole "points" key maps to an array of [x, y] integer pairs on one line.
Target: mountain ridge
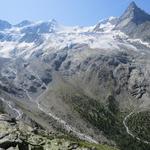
{"points": [[81, 81]]}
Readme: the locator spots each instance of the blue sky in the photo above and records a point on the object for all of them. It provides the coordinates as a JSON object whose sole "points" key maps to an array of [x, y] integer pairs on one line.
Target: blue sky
{"points": [[67, 12]]}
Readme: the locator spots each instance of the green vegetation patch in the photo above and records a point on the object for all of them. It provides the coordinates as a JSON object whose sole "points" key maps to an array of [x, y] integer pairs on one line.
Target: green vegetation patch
{"points": [[139, 125]]}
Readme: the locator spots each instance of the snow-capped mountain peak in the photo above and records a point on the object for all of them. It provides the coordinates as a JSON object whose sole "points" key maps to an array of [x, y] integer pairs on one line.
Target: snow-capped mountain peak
{"points": [[26, 38], [133, 14], [24, 23], [41, 27], [106, 24], [4, 25], [135, 22]]}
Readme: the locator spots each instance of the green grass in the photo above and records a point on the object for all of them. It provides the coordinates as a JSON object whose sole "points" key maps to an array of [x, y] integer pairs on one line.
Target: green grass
{"points": [[97, 146], [85, 144]]}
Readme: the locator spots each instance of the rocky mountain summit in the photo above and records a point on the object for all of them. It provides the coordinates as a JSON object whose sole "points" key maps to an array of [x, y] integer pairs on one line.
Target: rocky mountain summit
{"points": [[135, 22], [91, 83]]}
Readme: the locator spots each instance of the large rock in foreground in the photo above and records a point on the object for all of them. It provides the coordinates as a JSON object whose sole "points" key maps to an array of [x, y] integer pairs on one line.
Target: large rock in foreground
{"points": [[19, 136]]}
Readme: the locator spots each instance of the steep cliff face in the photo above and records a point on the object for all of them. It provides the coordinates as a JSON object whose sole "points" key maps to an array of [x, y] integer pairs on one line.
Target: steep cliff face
{"points": [[135, 22]]}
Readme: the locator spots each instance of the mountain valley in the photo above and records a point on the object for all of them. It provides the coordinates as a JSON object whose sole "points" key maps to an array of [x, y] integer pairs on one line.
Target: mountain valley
{"points": [[89, 86]]}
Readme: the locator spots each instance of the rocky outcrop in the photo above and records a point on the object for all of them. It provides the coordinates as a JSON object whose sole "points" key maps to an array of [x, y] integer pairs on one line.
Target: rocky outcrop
{"points": [[20, 136]]}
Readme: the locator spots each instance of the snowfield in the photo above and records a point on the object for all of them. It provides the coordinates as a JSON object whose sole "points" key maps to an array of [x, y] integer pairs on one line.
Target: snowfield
{"points": [[16, 42]]}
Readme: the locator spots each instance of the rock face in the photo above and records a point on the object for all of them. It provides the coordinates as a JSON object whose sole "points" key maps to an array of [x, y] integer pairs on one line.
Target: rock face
{"points": [[135, 22]]}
